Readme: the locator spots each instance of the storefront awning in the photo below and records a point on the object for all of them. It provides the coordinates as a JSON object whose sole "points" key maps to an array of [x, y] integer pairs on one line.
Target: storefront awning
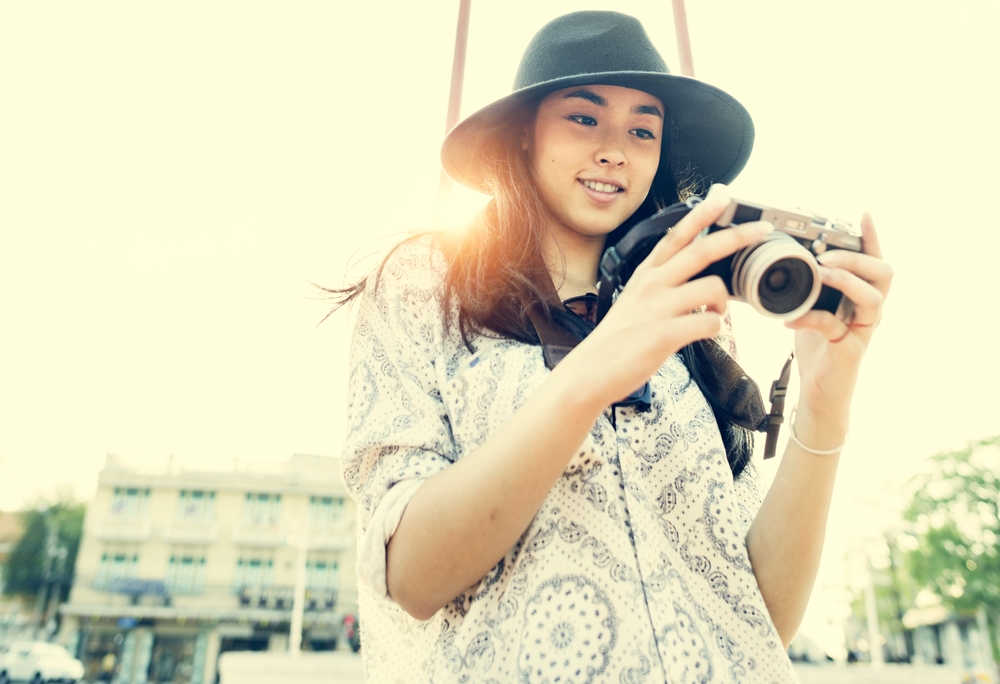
{"points": [[239, 615]]}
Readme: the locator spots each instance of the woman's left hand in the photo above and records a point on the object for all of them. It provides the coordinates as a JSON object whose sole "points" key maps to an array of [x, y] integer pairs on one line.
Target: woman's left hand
{"points": [[829, 350], [785, 541]]}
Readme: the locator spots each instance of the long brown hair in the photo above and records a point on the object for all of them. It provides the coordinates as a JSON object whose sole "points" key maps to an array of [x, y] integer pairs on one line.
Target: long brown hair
{"points": [[495, 268], [500, 251]]}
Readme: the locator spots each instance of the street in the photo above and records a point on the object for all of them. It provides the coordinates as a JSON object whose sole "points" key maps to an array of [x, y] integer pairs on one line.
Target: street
{"points": [[345, 668], [334, 667], [888, 674]]}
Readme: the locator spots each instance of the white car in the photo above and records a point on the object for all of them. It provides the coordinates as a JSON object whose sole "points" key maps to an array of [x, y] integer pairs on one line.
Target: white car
{"points": [[39, 662]]}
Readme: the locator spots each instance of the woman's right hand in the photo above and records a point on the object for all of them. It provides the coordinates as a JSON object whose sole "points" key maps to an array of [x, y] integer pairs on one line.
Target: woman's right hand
{"points": [[661, 310], [463, 519]]}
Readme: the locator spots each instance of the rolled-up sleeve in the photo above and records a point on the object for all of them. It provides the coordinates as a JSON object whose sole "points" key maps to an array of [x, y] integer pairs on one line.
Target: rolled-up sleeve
{"points": [[398, 431]]}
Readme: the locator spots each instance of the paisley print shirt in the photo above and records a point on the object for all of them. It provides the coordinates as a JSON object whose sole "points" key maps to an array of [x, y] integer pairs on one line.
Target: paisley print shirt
{"points": [[635, 567]]}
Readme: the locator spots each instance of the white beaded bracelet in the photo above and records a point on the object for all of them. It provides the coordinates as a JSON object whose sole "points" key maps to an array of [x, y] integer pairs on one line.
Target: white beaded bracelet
{"points": [[818, 452]]}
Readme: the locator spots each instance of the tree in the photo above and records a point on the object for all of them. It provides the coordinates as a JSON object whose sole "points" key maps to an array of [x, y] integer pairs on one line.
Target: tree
{"points": [[24, 572], [955, 515]]}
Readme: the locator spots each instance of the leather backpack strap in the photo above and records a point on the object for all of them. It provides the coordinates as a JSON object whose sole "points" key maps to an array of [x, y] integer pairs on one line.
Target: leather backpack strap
{"points": [[733, 388], [556, 341]]}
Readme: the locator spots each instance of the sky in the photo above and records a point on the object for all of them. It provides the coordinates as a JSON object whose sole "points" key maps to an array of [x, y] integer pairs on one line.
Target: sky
{"points": [[174, 177]]}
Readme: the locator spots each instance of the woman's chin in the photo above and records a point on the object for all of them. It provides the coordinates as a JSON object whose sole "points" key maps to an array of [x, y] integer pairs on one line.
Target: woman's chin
{"points": [[592, 224], [600, 227], [589, 232]]}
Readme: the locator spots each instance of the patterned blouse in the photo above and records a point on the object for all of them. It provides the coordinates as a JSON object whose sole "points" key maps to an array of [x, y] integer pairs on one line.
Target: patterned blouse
{"points": [[635, 567]]}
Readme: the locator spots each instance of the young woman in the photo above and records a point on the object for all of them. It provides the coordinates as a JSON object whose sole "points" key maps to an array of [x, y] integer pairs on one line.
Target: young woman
{"points": [[522, 523]]}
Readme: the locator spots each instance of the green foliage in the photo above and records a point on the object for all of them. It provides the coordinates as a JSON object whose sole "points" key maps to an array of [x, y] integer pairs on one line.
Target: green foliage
{"points": [[955, 516], [25, 567]]}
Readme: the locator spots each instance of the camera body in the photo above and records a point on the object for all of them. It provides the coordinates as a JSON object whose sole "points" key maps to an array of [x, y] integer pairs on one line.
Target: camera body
{"points": [[779, 275]]}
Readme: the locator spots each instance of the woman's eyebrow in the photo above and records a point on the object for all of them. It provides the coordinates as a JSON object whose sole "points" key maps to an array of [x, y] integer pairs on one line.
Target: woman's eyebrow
{"points": [[648, 109], [588, 95], [591, 96]]}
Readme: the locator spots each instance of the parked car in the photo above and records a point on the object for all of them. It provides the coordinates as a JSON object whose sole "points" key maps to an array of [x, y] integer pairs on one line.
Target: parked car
{"points": [[39, 662]]}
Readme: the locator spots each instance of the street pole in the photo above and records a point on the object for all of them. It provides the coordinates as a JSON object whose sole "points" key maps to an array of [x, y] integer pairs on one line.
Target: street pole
{"points": [[894, 562], [986, 663], [55, 592], [683, 39], [454, 97], [299, 598]]}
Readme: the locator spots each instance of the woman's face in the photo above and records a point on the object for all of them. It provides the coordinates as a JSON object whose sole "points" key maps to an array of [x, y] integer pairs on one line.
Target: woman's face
{"points": [[593, 152]]}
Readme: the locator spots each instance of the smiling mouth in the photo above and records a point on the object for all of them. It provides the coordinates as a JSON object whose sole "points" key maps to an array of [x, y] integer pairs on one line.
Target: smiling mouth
{"points": [[601, 187]]}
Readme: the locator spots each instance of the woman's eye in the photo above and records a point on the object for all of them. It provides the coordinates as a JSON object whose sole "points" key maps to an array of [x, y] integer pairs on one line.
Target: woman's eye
{"points": [[585, 120], [643, 134]]}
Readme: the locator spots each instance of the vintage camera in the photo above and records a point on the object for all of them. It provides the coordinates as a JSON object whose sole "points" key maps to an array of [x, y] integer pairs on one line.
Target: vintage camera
{"points": [[779, 276]]}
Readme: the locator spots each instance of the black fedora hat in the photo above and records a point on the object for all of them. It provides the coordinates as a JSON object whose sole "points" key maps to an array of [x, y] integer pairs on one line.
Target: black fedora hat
{"points": [[712, 132]]}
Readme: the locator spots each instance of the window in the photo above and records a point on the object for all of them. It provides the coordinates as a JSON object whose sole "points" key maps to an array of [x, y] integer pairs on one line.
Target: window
{"points": [[262, 509], [321, 574], [325, 511], [253, 572], [186, 574], [196, 505], [129, 502], [116, 566]]}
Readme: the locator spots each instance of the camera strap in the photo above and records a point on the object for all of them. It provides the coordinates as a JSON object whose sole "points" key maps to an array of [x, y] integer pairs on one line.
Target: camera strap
{"points": [[622, 258], [779, 388], [732, 387]]}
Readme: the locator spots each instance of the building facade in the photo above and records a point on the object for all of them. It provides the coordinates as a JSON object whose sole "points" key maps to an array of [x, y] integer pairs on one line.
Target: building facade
{"points": [[180, 562]]}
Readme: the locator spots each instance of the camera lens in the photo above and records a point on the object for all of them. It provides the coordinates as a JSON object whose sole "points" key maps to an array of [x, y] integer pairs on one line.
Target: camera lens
{"points": [[785, 285], [777, 276]]}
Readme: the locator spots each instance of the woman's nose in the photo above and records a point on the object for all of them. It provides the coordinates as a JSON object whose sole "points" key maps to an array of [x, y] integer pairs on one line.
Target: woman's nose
{"points": [[611, 152]]}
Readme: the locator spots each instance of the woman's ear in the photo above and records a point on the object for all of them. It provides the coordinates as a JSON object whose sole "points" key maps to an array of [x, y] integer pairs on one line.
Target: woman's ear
{"points": [[526, 139]]}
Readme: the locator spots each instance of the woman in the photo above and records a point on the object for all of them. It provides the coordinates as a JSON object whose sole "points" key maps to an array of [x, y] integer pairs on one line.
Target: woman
{"points": [[518, 523]]}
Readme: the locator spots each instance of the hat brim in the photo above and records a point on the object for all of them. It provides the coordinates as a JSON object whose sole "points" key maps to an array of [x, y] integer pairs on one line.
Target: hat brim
{"points": [[713, 133]]}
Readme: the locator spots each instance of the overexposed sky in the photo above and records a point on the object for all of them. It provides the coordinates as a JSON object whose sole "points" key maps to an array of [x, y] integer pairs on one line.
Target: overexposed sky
{"points": [[172, 176]]}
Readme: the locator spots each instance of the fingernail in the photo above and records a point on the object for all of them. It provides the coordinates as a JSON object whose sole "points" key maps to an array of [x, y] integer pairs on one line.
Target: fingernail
{"points": [[765, 228], [718, 196], [825, 257], [825, 270]]}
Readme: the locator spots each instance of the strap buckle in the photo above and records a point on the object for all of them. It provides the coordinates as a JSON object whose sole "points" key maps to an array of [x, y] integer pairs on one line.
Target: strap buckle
{"points": [[610, 264]]}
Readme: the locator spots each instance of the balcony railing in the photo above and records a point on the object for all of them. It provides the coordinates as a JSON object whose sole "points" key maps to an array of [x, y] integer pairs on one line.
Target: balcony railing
{"points": [[156, 598], [281, 598]]}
